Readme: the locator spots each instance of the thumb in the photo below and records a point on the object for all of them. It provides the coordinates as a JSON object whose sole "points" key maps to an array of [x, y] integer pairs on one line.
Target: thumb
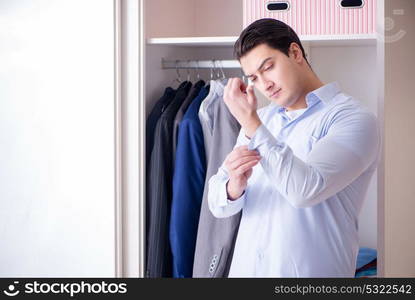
{"points": [[251, 95], [248, 173]]}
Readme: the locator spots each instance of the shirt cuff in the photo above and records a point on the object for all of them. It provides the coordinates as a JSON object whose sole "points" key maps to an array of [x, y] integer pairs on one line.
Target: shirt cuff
{"points": [[243, 138], [224, 200], [263, 141]]}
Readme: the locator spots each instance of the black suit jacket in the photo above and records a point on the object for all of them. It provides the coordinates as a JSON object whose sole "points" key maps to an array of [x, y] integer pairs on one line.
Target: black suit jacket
{"points": [[153, 117], [159, 190]]}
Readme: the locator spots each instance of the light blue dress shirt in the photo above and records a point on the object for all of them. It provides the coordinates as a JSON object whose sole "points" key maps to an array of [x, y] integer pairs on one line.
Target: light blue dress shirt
{"points": [[301, 205]]}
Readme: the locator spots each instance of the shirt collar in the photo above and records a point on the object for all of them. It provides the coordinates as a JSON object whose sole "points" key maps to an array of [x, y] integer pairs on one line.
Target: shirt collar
{"points": [[324, 93]]}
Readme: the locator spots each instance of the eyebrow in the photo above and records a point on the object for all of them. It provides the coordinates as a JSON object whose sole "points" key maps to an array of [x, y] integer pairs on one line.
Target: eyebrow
{"points": [[262, 64]]}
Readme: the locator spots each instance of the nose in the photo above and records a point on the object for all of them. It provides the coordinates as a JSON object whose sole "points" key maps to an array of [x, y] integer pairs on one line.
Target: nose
{"points": [[268, 84]]}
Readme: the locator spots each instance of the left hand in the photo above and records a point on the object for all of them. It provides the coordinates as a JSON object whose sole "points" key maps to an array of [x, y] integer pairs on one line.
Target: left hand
{"points": [[242, 103]]}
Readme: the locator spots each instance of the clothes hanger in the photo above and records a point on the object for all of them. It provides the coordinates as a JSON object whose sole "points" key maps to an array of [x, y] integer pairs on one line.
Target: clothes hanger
{"points": [[177, 79], [211, 77], [218, 78], [197, 70], [223, 80], [188, 70], [221, 69]]}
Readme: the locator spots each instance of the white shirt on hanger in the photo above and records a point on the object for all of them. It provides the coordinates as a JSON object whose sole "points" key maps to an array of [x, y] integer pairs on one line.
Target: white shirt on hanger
{"points": [[206, 113]]}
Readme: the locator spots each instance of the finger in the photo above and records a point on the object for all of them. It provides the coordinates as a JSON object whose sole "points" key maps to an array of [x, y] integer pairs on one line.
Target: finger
{"points": [[234, 155], [242, 86], [242, 160], [241, 147], [236, 150], [244, 152], [236, 85], [251, 95], [226, 90], [248, 173], [229, 84], [245, 167], [236, 158]]}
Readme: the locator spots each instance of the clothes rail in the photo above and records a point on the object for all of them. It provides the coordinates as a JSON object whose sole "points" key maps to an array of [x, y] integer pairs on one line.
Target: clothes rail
{"points": [[200, 64]]}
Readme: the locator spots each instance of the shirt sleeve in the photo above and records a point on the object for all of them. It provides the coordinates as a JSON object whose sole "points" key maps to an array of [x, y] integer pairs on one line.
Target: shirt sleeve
{"points": [[219, 204], [350, 146]]}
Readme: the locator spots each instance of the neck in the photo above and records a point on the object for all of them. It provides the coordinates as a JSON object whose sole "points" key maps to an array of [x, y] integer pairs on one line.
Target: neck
{"points": [[312, 83]]}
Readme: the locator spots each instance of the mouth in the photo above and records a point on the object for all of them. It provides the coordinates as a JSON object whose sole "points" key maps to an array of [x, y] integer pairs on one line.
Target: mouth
{"points": [[275, 94]]}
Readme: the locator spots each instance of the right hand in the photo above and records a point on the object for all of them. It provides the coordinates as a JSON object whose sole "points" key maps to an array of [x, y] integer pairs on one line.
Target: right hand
{"points": [[239, 164]]}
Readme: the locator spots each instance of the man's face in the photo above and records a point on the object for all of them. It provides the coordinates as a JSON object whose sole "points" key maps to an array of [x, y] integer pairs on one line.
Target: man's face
{"points": [[274, 74]]}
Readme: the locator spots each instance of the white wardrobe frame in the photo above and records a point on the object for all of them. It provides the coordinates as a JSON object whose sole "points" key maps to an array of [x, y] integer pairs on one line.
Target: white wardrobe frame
{"points": [[131, 115]]}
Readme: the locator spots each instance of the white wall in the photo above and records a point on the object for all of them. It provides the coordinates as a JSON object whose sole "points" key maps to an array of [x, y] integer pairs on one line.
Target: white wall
{"points": [[181, 18], [56, 138], [399, 141]]}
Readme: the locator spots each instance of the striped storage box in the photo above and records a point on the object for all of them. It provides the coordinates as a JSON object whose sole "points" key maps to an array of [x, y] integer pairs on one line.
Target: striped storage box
{"points": [[316, 17]]}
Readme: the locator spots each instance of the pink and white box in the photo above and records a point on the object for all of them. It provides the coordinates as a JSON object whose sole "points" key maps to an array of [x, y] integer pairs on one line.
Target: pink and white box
{"points": [[316, 17]]}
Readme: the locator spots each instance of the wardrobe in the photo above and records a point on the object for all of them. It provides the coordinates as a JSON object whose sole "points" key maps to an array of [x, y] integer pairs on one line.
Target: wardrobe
{"points": [[194, 30], [76, 96]]}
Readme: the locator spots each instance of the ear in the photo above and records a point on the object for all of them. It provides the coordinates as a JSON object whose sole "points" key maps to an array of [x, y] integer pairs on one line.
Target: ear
{"points": [[295, 52]]}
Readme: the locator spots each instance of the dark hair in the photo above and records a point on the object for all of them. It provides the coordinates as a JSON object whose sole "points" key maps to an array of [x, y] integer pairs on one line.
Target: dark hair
{"points": [[274, 33]]}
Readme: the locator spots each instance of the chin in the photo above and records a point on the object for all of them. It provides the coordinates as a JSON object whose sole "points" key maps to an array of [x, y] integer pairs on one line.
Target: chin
{"points": [[280, 102]]}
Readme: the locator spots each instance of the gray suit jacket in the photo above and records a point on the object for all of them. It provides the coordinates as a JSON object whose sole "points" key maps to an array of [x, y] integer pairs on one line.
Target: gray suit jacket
{"points": [[216, 236]]}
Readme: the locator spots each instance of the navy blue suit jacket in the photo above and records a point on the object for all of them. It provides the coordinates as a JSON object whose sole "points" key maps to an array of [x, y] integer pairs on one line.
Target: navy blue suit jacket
{"points": [[188, 185]]}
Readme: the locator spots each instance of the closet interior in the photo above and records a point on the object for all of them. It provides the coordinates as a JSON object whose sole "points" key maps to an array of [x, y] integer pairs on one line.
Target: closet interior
{"points": [[191, 39]]}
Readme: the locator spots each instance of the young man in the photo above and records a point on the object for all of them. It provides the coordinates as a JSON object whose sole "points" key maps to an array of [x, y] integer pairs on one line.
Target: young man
{"points": [[301, 166]]}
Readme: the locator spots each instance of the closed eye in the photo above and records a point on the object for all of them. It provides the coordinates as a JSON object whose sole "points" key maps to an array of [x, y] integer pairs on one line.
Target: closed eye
{"points": [[268, 67]]}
